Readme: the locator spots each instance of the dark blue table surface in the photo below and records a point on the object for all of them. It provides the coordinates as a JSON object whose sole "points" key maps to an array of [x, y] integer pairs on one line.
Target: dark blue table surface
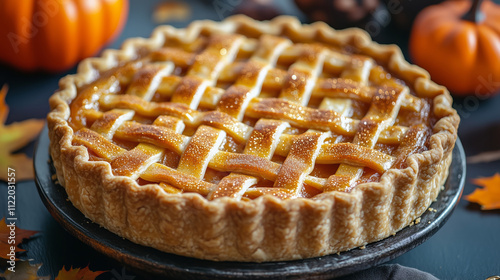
{"points": [[466, 247]]}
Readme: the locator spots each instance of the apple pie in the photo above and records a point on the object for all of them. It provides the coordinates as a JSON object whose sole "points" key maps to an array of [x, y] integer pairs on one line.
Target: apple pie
{"points": [[254, 141]]}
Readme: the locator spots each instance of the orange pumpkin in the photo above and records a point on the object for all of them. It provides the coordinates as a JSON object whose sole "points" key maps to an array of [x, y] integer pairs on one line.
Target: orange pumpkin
{"points": [[54, 35], [459, 44]]}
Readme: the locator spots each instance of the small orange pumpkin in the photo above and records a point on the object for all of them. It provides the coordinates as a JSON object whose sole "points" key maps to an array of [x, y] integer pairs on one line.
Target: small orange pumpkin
{"points": [[459, 45], [54, 35]]}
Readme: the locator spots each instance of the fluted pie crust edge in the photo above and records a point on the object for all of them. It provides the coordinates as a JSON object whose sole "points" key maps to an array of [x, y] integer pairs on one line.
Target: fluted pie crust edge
{"points": [[267, 228]]}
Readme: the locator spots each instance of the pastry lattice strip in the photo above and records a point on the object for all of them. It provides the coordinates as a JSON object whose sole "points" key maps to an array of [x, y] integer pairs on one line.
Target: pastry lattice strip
{"points": [[226, 161], [377, 126], [342, 87], [274, 108], [264, 138]]}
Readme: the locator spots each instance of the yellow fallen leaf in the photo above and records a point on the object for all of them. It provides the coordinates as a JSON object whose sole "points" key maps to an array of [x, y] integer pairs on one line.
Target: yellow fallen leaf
{"points": [[13, 137], [24, 271]]}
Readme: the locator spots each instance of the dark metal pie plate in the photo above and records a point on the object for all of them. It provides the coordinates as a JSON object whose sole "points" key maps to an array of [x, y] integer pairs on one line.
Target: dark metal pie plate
{"points": [[152, 262]]}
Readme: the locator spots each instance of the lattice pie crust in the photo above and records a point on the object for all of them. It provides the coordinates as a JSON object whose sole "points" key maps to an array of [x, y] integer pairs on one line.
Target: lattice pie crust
{"points": [[252, 141]]}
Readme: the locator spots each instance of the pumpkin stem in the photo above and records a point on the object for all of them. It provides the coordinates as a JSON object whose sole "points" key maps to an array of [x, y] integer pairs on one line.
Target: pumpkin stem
{"points": [[474, 14]]}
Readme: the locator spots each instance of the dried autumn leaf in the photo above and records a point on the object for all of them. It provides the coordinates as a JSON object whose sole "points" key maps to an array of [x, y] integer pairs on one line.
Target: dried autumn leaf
{"points": [[4, 109], [171, 11], [24, 271], [484, 157], [78, 274], [13, 137], [15, 240], [489, 195]]}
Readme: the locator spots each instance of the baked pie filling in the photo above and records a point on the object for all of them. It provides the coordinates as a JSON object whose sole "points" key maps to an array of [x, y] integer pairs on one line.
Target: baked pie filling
{"points": [[252, 141]]}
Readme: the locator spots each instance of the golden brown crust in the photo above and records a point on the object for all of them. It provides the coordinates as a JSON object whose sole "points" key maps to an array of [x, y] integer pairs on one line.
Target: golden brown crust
{"points": [[267, 228]]}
